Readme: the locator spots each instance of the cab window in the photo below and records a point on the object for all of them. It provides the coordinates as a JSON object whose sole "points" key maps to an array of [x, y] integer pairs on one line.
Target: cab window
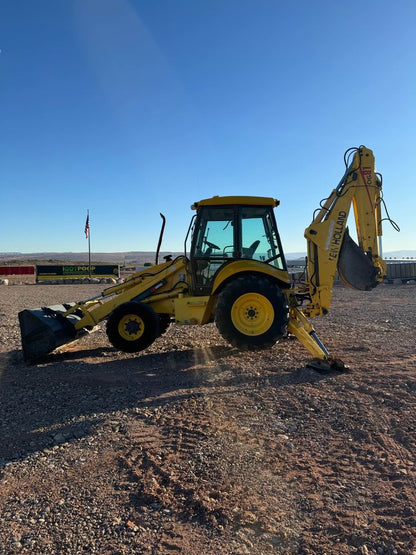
{"points": [[258, 236]]}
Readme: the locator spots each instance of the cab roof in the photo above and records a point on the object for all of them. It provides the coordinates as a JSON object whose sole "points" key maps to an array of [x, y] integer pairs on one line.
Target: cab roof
{"points": [[236, 200]]}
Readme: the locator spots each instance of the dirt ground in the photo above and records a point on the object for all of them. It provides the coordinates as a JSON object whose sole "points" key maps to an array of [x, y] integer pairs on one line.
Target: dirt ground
{"points": [[193, 447]]}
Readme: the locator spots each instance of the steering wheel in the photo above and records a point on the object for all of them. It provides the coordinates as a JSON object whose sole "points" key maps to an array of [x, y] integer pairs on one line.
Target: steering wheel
{"points": [[211, 245]]}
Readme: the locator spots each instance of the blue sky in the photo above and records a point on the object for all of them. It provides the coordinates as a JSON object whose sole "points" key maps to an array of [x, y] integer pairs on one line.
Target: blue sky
{"points": [[130, 108]]}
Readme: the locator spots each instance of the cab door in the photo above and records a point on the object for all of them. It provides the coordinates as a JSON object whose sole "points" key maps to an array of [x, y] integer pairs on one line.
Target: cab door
{"points": [[214, 243]]}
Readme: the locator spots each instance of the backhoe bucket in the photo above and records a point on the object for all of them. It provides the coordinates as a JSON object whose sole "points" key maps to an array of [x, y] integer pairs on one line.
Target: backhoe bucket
{"points": [[45, 329], [354, 267]]}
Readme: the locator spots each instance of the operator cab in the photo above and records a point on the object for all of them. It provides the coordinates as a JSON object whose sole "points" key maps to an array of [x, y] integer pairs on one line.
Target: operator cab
{"points": [[233, 228]]}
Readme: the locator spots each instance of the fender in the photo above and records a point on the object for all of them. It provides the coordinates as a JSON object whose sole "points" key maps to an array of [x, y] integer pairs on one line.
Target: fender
{"points": [[233, 270], [244, 266]]}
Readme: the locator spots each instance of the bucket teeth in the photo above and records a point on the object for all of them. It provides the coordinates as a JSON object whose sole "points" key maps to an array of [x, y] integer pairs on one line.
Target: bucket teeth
{"points": [[45, 329]]}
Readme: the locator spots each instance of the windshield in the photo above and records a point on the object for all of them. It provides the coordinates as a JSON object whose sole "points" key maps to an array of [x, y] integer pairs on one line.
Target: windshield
{"points": [[215, 235]]}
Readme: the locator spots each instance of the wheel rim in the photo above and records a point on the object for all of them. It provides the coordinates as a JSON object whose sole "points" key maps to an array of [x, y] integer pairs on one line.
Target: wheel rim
{"points": [[252, 314], [131, 327]]}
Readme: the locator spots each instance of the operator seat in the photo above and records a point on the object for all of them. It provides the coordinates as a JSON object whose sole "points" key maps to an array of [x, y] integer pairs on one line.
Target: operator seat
{"points": [[248, 253]]}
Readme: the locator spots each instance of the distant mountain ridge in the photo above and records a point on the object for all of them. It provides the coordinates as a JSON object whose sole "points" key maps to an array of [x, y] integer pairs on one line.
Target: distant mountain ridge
{"points": [[138, 257], [131, 257]]}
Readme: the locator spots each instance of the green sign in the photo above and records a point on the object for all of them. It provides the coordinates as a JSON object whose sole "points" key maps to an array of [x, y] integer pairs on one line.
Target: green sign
{"points": [[77, 270]]}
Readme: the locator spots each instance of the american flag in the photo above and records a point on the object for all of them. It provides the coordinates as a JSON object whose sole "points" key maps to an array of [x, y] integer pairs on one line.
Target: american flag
{"points": [[87, 227]]}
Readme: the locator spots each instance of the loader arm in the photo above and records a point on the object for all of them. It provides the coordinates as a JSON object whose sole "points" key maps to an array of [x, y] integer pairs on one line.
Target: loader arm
{"points": [[329, 246], [46, 328]]}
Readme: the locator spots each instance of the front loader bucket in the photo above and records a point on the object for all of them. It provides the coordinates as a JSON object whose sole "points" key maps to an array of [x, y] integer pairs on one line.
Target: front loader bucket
{"points": [[45, 329], [354, 267]]}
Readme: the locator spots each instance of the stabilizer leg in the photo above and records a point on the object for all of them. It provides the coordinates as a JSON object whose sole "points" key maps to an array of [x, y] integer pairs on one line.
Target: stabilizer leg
{"points": [[300, 327]]}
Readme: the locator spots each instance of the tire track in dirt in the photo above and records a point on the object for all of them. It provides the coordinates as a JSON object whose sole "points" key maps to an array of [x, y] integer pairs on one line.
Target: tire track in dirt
{"points": [[162, 466], [201, 461], [352, 473]]}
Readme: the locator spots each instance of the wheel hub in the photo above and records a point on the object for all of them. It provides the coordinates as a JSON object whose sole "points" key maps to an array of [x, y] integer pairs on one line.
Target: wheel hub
{"points": [[252, 314], [131, 327]]}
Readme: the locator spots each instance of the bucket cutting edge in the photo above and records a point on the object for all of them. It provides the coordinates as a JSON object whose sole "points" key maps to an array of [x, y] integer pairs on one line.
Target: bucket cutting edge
{"points": [[44, 329]]}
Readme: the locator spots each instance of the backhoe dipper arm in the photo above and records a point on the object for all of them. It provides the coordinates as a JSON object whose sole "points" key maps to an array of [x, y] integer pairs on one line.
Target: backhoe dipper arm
{"points": [[329, 245]]}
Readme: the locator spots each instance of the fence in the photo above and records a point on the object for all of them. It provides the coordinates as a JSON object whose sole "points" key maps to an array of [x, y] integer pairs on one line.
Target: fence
{"points": [[17, 270], [403, 270], [59, 272]]}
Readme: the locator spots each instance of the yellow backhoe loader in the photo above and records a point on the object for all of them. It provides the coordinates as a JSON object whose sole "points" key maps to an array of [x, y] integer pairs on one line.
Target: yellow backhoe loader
{"points": [[235, 275]]}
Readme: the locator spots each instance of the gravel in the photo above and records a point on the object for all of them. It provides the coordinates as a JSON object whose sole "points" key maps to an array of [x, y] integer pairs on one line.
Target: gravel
{"points": [[193, 447]]}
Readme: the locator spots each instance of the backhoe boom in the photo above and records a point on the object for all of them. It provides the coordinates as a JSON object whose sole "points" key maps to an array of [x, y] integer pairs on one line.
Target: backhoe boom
{"points": [[329, 246]]}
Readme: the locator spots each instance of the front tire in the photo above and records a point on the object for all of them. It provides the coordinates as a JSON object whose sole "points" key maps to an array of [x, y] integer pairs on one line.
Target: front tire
{"points": [[251, 313], [132, 327]]}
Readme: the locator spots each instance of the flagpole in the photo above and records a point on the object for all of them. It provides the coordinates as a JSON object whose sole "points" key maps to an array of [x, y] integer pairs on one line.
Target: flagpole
{"points": [[89, 244]]}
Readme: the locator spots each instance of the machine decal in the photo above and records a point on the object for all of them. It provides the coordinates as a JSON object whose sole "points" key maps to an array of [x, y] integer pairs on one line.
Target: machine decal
{"points": [[335, 234], [366, 175]]}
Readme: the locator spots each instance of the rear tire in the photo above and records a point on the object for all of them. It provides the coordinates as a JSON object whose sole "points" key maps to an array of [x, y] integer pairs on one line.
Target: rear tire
{"points": [[251, 313], [132, 327]]}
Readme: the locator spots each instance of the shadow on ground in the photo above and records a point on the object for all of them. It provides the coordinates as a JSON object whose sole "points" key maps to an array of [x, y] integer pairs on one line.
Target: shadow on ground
{"points": [[66, 396]]}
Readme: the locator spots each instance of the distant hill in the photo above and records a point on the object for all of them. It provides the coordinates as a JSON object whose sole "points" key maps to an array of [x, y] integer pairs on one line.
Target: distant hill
{"points": [[131, 257], [295, 255], [126, 258], [137, 257]]}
